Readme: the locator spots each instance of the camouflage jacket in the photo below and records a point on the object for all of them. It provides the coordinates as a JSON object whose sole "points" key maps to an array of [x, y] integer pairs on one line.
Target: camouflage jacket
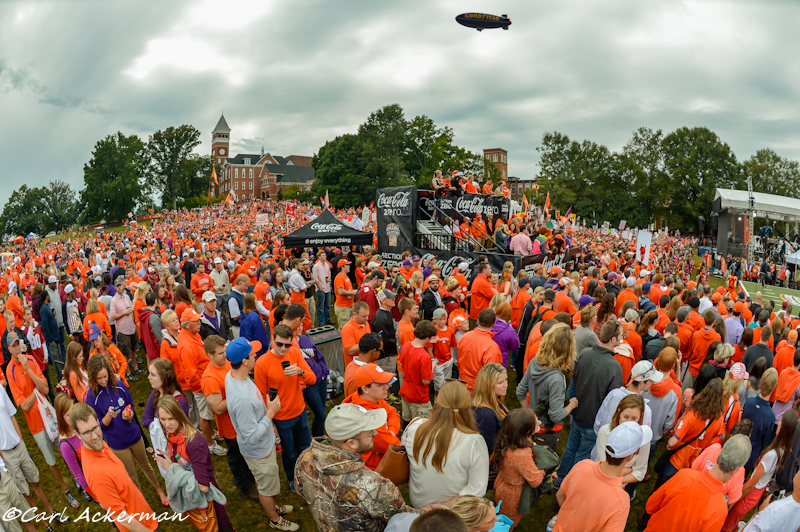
{"points": [[342, 494]]}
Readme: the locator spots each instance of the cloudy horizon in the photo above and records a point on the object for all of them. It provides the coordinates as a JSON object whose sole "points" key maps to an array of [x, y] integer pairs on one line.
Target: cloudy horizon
{"points": [[292, 75]]}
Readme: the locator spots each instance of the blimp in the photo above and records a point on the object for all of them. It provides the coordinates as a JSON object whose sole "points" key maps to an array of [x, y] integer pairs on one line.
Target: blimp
{"points": [[483, 21]]}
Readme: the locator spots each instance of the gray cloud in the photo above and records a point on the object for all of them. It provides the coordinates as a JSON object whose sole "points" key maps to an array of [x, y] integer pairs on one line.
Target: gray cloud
{"points": [[292, 75]]}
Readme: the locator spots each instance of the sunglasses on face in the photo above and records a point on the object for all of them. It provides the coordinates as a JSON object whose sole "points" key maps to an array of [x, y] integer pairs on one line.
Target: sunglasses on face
{"points": [[281, 344]]}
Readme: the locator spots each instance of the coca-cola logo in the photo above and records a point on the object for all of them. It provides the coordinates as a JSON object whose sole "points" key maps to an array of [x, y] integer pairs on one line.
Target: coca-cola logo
{"points": [[475, 204], [326, 228], [398, 200], [450, 265]]}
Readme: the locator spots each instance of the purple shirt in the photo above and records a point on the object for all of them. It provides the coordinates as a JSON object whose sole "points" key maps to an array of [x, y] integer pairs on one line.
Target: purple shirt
{"points": [[506, 338]]}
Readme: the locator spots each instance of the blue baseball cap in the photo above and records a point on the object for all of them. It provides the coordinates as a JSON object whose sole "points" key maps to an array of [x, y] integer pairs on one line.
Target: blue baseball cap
{"points": [[240, 349], [94, 332]]}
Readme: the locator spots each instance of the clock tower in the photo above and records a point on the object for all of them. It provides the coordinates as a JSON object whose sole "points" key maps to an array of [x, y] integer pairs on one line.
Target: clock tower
{"points": [[220, 141]]}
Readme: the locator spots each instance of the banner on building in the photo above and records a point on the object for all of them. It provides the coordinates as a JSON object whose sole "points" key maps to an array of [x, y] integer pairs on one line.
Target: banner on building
{"points": [[466, 205], [395, 209]]}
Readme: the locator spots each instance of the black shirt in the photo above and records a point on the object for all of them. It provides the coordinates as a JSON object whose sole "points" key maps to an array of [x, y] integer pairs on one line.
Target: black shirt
{"points": [[756, 351]]}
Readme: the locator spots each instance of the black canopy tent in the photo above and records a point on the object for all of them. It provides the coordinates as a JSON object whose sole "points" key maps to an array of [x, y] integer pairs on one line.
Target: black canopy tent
{"points": [[326, 230]]}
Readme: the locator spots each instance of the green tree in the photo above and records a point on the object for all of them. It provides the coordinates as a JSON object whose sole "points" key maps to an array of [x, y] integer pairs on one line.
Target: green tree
{"points": [[773, 174], [696, 163], [338, 171], [382, 147], [172, 168], [112, 178], [22, 213], [59, 206]]}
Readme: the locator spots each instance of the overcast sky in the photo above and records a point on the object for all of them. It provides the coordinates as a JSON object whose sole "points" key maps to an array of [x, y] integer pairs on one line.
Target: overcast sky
{"points": [[291, 75]]}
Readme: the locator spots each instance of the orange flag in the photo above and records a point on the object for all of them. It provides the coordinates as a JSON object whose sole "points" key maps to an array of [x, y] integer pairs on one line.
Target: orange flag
{"points": [[214, 175], [547, 205], [525, 202]]}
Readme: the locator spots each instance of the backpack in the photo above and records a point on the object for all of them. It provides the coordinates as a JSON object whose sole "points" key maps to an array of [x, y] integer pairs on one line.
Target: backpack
{"points": [[526, 325], [546, 459], [784, 477], [74, 318]]}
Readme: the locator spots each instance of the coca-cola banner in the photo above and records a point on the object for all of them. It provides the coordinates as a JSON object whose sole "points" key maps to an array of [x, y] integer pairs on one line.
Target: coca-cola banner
{"points": [[550, 260], [458, 206], [326, 230], [396, 211]]}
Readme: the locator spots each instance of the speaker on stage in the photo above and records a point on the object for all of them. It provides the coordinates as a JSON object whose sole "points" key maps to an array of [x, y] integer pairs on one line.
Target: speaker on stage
{"points": [[329, 342]]}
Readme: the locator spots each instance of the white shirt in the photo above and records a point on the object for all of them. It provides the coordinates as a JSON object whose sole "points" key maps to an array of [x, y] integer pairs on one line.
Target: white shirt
{"points": [[297, 282], [779, 516], [8, 434], [638, 463], [466, 471], [705, 304], [609, 406]]}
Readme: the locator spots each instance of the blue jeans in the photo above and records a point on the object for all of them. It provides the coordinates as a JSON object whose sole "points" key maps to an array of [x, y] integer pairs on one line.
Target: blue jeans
{"points": [[295, 438], [579, 447], [323, 307], [315, 396], [667, 473]]}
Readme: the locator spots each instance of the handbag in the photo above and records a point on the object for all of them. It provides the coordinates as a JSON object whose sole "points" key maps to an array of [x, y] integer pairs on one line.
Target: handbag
{"points": [[548, 460], [48, 414], [204, 519], [394, 465], [667, 455]]}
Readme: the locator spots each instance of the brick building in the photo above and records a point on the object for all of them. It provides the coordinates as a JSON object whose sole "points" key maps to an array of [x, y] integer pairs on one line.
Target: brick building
{"points": [[256, 175], [499, 158]]}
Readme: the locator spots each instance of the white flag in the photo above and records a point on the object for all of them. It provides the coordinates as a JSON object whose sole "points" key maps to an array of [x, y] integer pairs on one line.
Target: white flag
{"points": [[643, 242]]}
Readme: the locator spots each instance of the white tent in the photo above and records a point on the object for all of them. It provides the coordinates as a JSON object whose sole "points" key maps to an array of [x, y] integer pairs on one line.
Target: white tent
{"points": [[794, 258], [778, 207]]}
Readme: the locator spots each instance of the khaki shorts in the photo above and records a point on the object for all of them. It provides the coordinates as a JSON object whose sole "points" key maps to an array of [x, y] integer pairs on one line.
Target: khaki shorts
{"points": [[46, 446], [388, 364], [202, 406], [20, 465], [10, 497], [343, 315], [413, 410], [265, 472]]}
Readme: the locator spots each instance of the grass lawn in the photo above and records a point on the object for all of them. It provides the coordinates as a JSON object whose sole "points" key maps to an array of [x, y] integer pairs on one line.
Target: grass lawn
{"points": [[248, 515], [778, 294]]}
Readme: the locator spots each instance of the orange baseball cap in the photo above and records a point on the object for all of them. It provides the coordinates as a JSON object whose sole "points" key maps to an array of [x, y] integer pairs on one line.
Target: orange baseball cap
{"points": [[372, 373], [738, 307], [716, 298], [190, 314]]}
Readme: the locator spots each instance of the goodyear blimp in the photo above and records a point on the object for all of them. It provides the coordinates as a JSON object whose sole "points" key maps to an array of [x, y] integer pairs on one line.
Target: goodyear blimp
{"points": [[483, 21]]}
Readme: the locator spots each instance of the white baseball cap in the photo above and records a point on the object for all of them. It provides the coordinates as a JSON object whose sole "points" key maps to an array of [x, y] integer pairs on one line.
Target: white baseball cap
{"points": [[52, 279], [626, 438], [217, 260], [69, 289], [645, 370], [644, 273], [630, 281], [347, 420]]}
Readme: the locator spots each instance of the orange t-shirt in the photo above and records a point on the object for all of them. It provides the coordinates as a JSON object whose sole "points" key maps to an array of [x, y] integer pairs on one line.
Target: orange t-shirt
{"points": [[701, 340], [269, 374], [169, 351], [690, 499], [213, 381], [342, 281], [350, 378], [444, 341], [22, 386], [351, 334], [687, 428], [595, 501], [112, 487], [476, 349]]}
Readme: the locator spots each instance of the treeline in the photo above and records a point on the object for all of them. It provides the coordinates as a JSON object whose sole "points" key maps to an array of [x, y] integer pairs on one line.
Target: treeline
{"points": [[390, 150], [656, 176]]}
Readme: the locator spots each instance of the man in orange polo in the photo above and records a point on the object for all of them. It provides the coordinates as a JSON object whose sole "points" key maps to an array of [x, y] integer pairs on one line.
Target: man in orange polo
{"points": [[476, 348], [108, 480], [482, 291], [356, 327], [193, 363], [343, 289], [201, 283]]}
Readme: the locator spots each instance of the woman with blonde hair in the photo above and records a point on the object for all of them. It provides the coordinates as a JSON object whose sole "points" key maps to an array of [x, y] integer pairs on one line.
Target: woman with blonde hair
{"points": [[448, 456], [730, 391], [488, 395], [721, 358], [192, 454], [674, 305], [477, 513], [94, 314], [142, 289], [495, 301], [506, 285], [544, 386], [415, 286]]}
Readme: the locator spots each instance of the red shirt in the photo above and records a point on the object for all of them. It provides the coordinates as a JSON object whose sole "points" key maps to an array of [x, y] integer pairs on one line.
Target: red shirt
{"points": [[367, 294], [417, 366], [445, 340]]}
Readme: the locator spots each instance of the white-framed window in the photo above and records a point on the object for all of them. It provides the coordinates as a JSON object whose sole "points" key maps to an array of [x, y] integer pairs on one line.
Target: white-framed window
{"points": [[237, 186], [237, 172], [504, 172], [251, 184], [495, 157], [489, 158], [247, 161], [251, 196], [251, 173]]}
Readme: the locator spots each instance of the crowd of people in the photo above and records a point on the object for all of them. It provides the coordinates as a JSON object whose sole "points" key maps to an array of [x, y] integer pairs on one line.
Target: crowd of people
{"points": [[623, 357]]}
